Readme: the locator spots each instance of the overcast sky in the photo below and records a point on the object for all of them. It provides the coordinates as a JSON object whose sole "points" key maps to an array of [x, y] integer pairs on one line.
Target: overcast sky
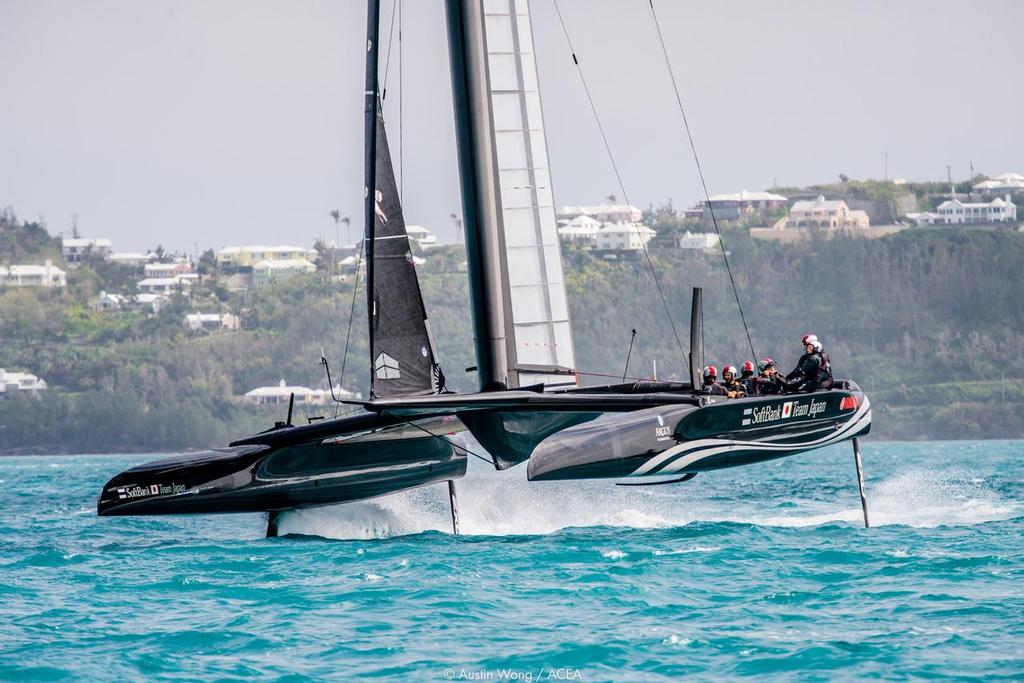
{"points": [[240, 121]]}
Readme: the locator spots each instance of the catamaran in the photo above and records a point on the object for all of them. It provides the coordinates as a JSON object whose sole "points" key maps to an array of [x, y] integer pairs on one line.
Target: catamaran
{"points": [[529, 406]]}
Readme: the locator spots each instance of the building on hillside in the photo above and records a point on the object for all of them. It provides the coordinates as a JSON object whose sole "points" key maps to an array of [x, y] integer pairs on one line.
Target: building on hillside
{"points": [[23, 383], [166, 285], [130, 258], [212, 321], [697, 241], [580, 231], [231, 258], [1001, 184], [732, 206], [623, 237], [421, 236], [46, 275], [267, 272], [824, 213], [148, 301], [282, 392], [605, 213], [76, 249], [108, 302], [954, 212], [181, 267]]}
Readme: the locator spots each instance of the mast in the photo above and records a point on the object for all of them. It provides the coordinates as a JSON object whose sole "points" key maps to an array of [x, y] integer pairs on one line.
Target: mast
{"points": [[370, 162], [467, 57]]}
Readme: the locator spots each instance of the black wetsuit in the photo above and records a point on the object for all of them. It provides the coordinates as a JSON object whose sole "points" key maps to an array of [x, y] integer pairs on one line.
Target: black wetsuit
{"points": [[735, 385], [767, 386], [812, 372], [749, 383], [714, 389]]}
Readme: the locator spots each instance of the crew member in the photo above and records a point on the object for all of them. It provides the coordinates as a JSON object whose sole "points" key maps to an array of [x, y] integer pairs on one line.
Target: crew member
{"points": [[711, 386], [747, 378], [769, 381], [731, 383], [814, 369]]}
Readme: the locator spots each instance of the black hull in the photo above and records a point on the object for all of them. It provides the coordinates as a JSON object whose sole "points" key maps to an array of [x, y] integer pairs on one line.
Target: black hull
{"points": [[339, 461], [675, 440]]}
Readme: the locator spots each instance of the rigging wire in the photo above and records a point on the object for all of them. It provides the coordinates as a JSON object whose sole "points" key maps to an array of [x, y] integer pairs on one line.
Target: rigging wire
{"points": [[700, 173], [351, 315], [410, 423], [618, 177]]}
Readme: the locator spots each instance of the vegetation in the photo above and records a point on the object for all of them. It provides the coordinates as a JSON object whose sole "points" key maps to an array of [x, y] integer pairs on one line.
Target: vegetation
{"points": [[929, 322]]}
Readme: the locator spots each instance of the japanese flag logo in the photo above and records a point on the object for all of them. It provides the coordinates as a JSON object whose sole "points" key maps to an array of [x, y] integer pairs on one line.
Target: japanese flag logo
{"points": [[787, 409], [154, 489]]}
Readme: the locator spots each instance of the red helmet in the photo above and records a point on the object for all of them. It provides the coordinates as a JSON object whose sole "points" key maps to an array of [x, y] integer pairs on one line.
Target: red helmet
{"points": [[748, 366], [731, 369], [710, 372], [808, 338], [766, 363]]}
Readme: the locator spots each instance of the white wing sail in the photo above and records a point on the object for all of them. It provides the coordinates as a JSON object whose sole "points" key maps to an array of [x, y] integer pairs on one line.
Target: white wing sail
{"points": [[539, 336]]}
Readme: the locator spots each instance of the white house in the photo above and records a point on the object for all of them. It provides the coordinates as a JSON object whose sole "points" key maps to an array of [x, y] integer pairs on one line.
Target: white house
{"points": [[605, 213], [421, 236], [132, 259], [581, 230], [12, 383], [46, 275], [623, 237], [77, 248], [954, 211], [212, 321], [108, 302], [154, 302], [281, 393], [1001, 184], [165, 285], [697, 241]]}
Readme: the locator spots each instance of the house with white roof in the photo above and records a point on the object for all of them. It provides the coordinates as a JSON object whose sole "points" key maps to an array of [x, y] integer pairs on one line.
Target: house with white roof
{"points": [[212, 321], [605, 213], [132, 259], [282, 392], [249, 256], [106, 301], [732, 206], [1004, 183], [166, 285], [697, 241], [267, 272], [824, 213], [75, 249], [581, 230], [19, 383], [955, 212], [153, 302], [46, 275], [421, 236], [623, 237]]}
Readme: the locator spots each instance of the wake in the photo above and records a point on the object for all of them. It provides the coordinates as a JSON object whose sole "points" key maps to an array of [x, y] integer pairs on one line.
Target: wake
{"points": [[504, 503]]}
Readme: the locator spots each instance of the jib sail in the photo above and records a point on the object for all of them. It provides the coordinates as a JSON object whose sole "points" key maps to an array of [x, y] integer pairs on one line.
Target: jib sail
{"points": [[401, 349]]}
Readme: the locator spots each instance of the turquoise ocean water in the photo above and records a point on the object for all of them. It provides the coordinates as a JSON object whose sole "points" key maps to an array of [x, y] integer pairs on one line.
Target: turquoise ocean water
{"points": [[759, 570]]}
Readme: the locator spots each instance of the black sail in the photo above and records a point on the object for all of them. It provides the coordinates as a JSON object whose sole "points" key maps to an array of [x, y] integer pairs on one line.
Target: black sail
{"points": [[401, 349]]}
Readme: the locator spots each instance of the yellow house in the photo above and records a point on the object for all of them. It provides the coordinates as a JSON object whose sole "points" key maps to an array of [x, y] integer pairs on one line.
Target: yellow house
{"points": [[249, 256], [825, 213]]}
